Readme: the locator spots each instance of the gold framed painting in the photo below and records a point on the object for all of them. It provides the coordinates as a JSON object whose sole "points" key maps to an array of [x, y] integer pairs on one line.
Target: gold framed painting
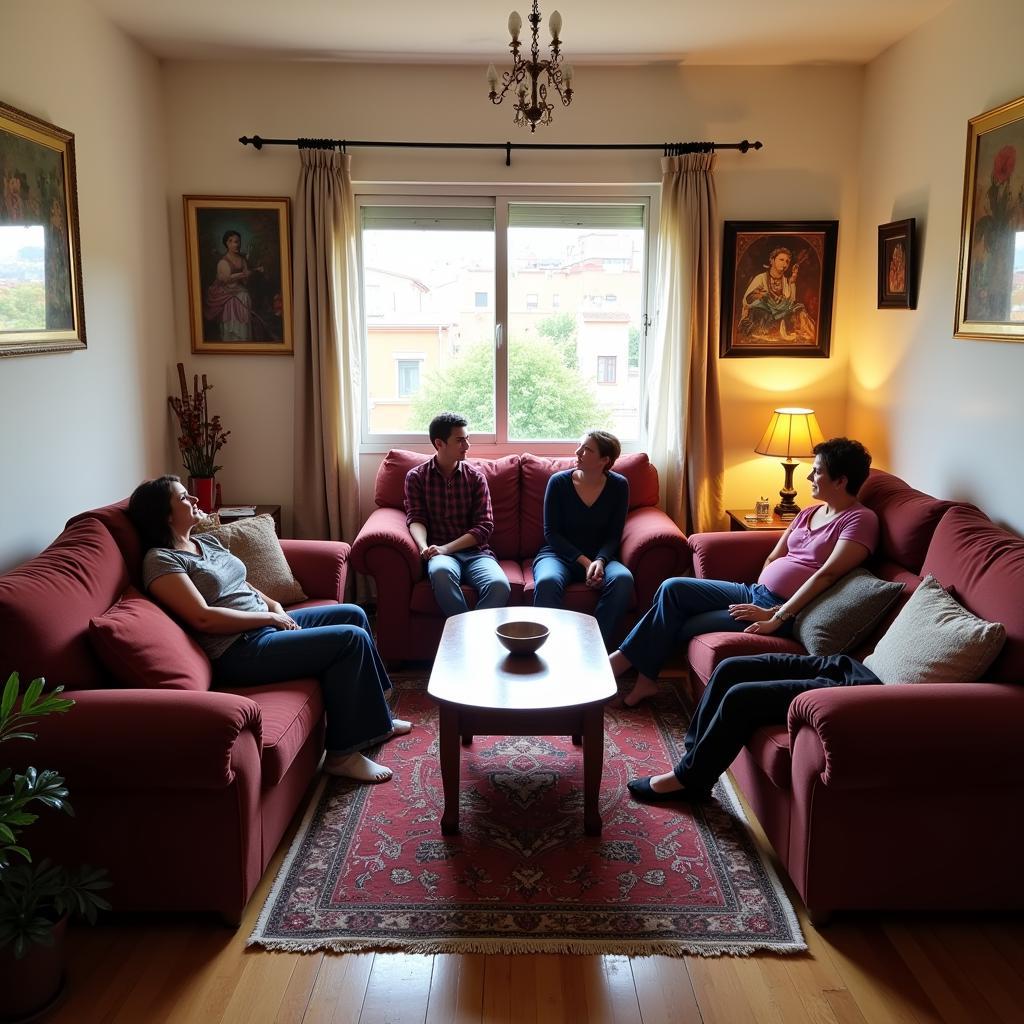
{"points": [[990, 287], [238, 252], [41, 306]]}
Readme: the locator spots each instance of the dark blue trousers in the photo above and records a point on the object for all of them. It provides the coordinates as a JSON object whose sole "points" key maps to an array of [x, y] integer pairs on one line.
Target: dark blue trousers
{"points": [[745, 694], [334, 644]]}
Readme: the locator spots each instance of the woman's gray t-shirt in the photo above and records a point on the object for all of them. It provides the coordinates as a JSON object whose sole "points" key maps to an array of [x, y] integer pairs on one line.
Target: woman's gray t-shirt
{"points": [[218, 576]]}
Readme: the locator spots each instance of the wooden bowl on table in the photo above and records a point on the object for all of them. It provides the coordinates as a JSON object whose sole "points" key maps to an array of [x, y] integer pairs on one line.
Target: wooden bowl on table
{"points": [[522, 637]]}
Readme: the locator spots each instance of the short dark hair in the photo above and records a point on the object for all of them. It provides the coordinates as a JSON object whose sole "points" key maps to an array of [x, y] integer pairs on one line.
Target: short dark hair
{"points": [[442, 425], [608, 446], [843, 457], [149, 509]]}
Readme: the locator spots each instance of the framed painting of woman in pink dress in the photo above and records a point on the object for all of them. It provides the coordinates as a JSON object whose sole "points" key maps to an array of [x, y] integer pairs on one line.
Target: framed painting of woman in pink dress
{"points": [[239, 274]]}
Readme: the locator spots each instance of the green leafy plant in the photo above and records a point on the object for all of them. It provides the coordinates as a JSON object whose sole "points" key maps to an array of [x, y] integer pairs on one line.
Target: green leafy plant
{"points": [[33, 897]]}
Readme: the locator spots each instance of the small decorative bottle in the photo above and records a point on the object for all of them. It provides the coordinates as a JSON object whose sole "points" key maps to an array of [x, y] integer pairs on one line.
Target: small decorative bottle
{"points": [[762, 510]]}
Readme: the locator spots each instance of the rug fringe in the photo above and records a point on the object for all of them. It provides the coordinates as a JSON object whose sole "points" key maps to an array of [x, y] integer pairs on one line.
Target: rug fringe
{"points": [[525, 948]]}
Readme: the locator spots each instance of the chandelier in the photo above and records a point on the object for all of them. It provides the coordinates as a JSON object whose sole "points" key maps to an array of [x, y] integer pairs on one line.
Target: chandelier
{"points": [[525, 78]]}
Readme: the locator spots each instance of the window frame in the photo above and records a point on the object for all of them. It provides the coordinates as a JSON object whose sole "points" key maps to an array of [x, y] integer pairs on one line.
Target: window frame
{"points": [[422, 194]]}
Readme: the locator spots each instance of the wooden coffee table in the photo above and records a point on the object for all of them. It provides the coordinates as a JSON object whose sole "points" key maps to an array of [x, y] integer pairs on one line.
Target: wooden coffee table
{"points": [[485, 691]]}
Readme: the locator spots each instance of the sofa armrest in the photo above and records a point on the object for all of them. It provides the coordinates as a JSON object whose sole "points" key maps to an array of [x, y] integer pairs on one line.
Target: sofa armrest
{"points": [[654, 549], [320, 566], [738, 557], [384, 544], [141, 740], [921, 735]]}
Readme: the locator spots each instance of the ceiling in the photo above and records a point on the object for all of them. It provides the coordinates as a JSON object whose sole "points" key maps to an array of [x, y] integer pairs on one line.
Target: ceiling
{"points": [[754, 32]]}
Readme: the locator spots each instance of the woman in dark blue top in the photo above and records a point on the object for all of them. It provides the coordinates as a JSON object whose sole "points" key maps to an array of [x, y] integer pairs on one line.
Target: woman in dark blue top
{"points": [[584, 513]]}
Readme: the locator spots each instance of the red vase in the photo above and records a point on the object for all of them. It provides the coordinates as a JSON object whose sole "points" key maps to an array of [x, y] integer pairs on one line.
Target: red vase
{"points": [[202, 488]]}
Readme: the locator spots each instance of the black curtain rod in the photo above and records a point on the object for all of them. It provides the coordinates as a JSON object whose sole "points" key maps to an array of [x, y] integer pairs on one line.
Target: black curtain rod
{"points": [[667, 148]]}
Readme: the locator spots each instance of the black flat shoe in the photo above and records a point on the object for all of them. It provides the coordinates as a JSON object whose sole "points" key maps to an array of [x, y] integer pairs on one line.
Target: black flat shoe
{"points": [[641, 790]]}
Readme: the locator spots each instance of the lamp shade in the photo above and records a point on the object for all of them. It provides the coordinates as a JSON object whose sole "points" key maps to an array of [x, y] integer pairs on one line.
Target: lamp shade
{"points": [[791, 434]]}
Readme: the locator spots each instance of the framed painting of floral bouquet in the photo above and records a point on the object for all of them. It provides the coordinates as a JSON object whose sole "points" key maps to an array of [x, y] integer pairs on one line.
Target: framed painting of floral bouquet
{"points": [[990, 289], [41, 306]]}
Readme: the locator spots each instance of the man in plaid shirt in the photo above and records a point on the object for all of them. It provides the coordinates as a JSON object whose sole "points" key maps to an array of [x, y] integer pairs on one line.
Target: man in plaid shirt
{"points": [[448, 511]]}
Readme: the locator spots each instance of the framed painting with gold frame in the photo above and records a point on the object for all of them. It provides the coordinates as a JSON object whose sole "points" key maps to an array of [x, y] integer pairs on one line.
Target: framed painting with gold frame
{"points": [[990, 287], [41, 306], [238, 252]]}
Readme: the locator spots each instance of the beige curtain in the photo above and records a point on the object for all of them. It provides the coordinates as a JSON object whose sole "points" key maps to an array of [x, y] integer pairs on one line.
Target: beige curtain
{"points": [[327, 350], [684, 409]]}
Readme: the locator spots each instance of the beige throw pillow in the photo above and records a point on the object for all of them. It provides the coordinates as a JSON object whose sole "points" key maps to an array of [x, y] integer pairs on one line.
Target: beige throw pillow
{"points": [[934, 639], [254, 541], [840, 618]]}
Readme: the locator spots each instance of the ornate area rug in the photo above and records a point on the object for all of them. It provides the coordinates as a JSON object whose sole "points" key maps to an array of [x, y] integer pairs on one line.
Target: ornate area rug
{"points": [[369, 868]]}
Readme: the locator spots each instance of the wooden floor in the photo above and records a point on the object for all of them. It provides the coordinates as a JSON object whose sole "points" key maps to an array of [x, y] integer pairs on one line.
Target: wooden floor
{"points": [[900, 969]]}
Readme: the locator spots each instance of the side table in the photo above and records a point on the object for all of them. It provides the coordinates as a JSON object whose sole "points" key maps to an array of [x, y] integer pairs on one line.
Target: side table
{"points": [[743, 519], [271, 510]]}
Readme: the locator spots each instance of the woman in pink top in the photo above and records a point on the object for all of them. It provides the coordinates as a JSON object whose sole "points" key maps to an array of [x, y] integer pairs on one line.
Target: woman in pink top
{"points": [[822, 544]]}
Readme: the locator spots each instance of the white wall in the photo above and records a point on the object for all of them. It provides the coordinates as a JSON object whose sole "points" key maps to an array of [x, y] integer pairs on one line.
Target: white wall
{"points": [[944, 413], [80, 429], [808, 119]]}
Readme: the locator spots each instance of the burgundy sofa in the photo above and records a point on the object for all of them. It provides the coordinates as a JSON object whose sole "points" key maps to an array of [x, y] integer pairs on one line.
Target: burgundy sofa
{"points": [[893, 797], [183, 795], [409, 622]]}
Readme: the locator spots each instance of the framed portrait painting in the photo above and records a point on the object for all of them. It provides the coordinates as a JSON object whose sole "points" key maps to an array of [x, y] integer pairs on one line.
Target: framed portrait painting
{"points": [[777, 288], [238, 252], [990, 288], [897, 265], [41, 306]]}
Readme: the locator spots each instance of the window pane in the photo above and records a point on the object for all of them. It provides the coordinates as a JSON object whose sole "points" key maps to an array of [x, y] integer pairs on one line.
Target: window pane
{"points": [[575, 303], [424, 272]]}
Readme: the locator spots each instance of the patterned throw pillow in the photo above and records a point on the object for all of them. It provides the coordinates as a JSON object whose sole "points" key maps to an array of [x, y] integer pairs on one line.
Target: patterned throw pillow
{"points": [[840, 618], [254, 541], [934, 639]]}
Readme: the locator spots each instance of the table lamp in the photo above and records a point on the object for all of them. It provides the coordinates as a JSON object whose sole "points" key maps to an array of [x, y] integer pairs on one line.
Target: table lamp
{"points": [[791, 435]]}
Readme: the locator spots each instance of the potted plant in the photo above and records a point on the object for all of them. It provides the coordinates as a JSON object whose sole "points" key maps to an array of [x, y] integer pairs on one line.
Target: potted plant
{"points": [[202, 436], [36, 899]]}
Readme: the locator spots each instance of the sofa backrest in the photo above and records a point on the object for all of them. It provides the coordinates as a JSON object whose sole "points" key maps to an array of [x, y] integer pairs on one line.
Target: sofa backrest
{"points": [[536, 470], [502, 477], [115, 518], [907, 519], [983, 566], [46, 604]]}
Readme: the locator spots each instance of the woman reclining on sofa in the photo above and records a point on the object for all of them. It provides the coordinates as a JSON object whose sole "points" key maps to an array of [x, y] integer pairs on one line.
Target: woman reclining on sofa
{"points": [[251, 640], [822, 544]]}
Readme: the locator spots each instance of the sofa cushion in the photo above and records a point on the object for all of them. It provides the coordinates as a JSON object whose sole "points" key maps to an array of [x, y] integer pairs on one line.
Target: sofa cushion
{"points": [[502, 476], [144, 648], [254, 541], [289, 711], [46, 604], [839, 619], [423, 602], [906, 518], [935, 640], [706, 651], [983, 564], [115, 519]]}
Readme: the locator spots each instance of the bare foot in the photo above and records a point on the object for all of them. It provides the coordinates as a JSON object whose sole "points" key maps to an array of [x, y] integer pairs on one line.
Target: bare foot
{"points": [[357, 766], [642, 689], [400, 727]]}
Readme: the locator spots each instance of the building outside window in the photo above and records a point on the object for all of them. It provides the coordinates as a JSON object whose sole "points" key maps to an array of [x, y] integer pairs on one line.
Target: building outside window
{"points": [[408, 377], [606, 369], [480, 300]]}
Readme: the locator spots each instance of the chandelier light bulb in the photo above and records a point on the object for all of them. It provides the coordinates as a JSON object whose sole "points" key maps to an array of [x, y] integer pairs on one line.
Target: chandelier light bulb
{"points": [[515, 23], [492, 76], [567, 73], [555, 24]]}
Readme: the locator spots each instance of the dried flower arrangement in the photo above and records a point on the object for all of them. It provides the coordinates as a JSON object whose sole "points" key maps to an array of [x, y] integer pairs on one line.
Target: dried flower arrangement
{"points": [[202, 436]]}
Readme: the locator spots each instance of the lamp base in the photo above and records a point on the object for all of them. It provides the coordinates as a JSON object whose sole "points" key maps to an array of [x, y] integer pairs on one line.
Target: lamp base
{"points": [[787, 508]]}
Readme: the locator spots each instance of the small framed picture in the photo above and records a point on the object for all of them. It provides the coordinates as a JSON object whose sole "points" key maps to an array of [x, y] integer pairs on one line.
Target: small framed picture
{"points": [[990, 289], [41, 304], [777, 286], [238, 250], [897, 265]]}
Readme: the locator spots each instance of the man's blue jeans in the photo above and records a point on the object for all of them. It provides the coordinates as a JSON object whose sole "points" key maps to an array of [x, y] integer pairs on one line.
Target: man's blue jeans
{"points": [[684, 608], [447, 573], [551, 575], [334, 644]]}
